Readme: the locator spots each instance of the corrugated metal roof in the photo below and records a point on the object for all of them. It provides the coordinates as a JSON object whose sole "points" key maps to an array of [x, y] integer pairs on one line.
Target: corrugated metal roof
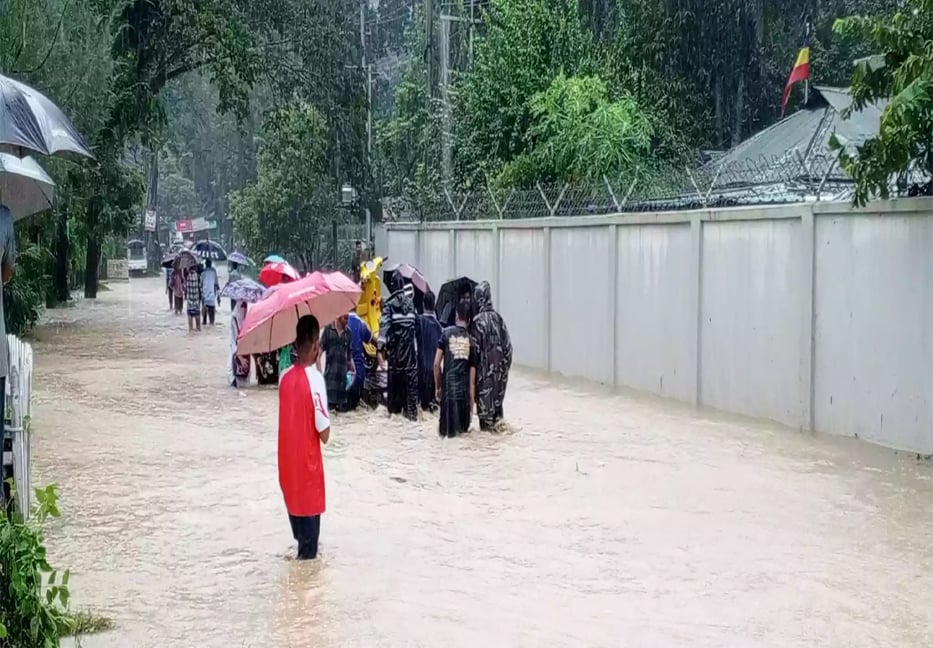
{"points": [[775, 154]]}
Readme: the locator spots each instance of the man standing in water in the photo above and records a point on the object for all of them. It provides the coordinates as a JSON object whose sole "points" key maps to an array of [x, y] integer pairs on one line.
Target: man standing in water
{"points": [[398, 326], [304, 424], [209, 287], [361, 335], [493, 357], [193, 293], [429, 333], [337, 345], [455, 375]]}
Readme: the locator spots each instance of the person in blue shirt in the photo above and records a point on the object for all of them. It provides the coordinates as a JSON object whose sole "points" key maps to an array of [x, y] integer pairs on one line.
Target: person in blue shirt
{"points": [[360, 335], [429, 333]]}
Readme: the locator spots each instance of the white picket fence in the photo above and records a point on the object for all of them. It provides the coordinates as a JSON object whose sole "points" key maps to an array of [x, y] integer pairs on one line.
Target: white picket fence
{"points": [[19, 404]]}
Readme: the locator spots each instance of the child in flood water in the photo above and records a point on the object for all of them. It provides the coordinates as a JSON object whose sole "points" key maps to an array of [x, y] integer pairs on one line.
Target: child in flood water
{"points": [[455, 375], [304, 424]]}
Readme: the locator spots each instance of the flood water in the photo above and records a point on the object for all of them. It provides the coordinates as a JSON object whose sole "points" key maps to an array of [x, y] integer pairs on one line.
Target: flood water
{"points": [[599, 520]]}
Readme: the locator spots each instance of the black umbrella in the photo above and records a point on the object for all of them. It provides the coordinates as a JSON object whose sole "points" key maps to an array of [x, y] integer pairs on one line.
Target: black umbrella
{"points": [[29, 120], [451, 293], [210, 250]]}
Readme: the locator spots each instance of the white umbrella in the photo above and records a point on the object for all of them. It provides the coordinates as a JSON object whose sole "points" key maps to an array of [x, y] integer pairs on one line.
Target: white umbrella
{"points": [[25, 187]]}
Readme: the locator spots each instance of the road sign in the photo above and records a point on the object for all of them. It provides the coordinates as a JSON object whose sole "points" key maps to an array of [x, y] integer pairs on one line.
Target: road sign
{"points": [[150, 220]]}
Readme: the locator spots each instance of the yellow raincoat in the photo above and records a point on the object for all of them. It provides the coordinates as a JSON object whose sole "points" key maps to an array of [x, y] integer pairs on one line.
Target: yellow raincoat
{"points": [[369, 307]]}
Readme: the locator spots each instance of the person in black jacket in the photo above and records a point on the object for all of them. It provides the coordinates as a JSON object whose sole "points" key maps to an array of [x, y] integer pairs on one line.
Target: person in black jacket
{"points": [[429, 333], [398, 328]]}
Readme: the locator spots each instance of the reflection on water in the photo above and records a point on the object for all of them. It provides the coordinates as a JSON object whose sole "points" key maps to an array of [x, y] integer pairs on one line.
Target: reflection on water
{"points": [[599, 521]]}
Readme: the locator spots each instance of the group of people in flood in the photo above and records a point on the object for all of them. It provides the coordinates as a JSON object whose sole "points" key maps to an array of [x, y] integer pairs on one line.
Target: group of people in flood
{"points": [[451, 369], [194, 289], [441, 368]]}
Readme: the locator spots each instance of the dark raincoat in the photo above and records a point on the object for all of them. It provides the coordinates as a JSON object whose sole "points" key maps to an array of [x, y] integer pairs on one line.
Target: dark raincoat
{"points": [[493, 359], [399, 329]]}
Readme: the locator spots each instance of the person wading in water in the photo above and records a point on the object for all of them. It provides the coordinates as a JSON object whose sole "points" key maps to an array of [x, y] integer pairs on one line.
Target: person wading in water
{"points": [[455, 375], [304, 424], [399, 328], [493, 357]]}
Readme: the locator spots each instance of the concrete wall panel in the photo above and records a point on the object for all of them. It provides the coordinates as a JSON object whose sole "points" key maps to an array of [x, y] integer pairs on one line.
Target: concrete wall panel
{"points": [[476, 255], [523, 296], [401, 246], [873, 356], [655, 318], [582, 317], [435, 256], [750, 336]]}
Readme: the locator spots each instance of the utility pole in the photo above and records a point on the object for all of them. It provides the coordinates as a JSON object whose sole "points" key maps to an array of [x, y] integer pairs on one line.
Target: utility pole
{"points": [[446, 121], [429, 50], [368, 70], [446, 154], [369, 80], [472, 27]]}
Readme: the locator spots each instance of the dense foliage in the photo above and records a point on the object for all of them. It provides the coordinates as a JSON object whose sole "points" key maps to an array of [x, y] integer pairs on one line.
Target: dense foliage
{"points": [[180, 97], [292, 200], [35, 610], [900, 70]]}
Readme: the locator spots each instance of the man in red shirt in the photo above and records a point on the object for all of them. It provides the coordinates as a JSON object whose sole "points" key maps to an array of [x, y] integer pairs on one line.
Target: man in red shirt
{"points": [[304, 424]]}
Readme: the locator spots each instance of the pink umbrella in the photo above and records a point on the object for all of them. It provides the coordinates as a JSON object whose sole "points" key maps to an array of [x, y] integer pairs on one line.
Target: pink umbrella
{"points": [[270, 323]]}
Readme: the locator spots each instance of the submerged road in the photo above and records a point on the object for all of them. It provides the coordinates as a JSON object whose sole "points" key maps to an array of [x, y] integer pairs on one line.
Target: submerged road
{"points": [[599, 520]]}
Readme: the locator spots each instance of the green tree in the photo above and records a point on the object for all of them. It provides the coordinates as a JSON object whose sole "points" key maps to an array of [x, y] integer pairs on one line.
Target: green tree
{"points": [[900, 72], [578, 133], [526, 45], [178, 198], [155, 43], [293, 201]]}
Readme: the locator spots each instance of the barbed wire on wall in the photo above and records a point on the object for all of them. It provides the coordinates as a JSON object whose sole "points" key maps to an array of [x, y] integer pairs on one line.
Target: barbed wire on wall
{"points": [[787, 179]]}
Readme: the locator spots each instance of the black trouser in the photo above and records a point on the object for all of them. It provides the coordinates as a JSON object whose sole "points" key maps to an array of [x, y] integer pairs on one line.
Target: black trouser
{"points": [[354, 395], [454, 417], [306, 530], [403, 392], [426, 387], [208, 313]]}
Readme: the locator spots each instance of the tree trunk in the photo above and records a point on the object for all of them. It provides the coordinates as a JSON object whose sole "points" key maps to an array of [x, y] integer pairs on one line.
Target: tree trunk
{"points": [[62, 289], [91, 266]]}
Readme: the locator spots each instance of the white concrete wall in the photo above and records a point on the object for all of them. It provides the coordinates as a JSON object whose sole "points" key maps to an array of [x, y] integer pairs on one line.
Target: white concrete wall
{"points": [[655, 319], [815, 316], [873, 358], [523, 293], [750, 329]]}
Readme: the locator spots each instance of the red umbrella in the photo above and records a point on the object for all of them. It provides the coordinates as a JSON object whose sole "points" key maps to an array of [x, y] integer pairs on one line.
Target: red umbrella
{"points": [[270, 324], [277, 272]]}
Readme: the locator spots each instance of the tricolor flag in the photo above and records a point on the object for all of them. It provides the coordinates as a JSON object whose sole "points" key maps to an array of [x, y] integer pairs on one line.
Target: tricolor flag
{"points": [[801, 71]]}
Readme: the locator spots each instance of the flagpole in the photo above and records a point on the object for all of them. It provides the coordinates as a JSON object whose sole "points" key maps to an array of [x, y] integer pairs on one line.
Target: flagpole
{"points": [[806, 82]]}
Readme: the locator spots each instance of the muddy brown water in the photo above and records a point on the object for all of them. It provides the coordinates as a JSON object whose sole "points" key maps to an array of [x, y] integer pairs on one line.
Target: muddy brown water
{"points": [[599, 520]]}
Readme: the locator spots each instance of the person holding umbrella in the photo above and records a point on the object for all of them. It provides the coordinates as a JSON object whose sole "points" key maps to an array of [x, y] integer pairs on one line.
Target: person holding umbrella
{"points": [[304, 425]]}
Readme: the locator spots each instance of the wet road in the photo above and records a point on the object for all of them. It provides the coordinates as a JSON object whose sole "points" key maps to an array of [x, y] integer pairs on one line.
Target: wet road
{"points": [[601, 520]]}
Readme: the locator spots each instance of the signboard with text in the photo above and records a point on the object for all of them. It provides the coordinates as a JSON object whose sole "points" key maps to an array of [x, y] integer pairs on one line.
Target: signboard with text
{"points": [[191, 225], [118, 270], [150, 220]]}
